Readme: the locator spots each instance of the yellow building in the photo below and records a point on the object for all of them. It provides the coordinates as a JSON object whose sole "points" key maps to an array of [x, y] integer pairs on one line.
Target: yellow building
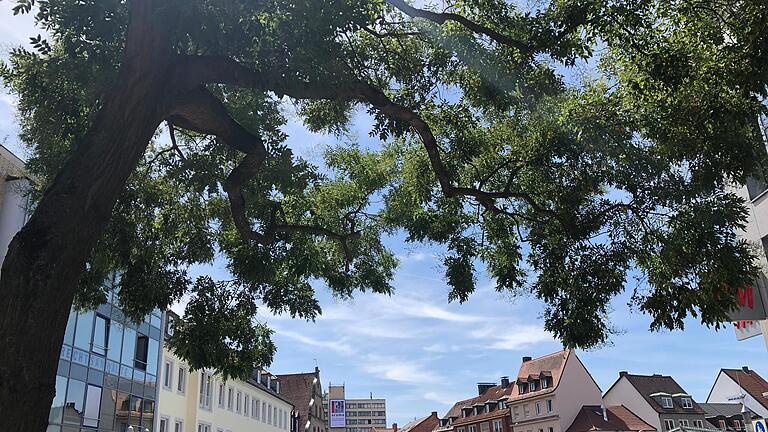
{"points": [[201, 401]]}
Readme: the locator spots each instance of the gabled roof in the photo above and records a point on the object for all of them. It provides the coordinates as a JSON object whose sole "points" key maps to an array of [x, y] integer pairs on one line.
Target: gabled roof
{"points": [[493, 393], [298, 388], [504, 412], [647, 385], [751, 382], [550, 364], [424, 424], [620, 418]]}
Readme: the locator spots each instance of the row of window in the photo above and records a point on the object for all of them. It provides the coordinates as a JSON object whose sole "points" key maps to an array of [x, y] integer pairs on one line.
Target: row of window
{"points": [[484, 427], [685, 402], [181, 376], [365, 413], [670, 424], [539, 408], [366, 421], [363, 405], [534, 385]]}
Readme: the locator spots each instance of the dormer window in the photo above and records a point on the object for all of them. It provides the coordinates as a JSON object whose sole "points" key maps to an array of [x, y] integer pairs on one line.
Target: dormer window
{"points": [[544, 383], [666, 402], [686, 402], [502, 405], [534, 385], [521, 387]]}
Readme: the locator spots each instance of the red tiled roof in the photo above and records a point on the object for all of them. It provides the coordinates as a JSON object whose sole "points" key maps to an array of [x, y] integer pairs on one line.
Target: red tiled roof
{"points": [[550, 364], [620, 419], [424, 424], [493, 393], [751, 382]]}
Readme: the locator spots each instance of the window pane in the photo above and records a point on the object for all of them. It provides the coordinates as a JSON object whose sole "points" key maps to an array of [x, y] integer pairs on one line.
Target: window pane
{"points": [[142, 347], [123, 408], [57, 407], [83, 332], [154, 346], [92, 406], [73, 412], [148, 416], [129, 346], [69, 334], [135, 411], [100, 335], [107, 416], [115, 338]]}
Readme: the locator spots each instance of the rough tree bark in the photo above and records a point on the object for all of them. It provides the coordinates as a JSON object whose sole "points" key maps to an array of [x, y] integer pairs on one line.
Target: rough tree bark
{"points": [[46, 258]]}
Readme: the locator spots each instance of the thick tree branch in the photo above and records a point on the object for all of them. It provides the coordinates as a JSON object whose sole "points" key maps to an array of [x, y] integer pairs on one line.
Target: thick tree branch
{"points": [[200, 111], [441, 18]]}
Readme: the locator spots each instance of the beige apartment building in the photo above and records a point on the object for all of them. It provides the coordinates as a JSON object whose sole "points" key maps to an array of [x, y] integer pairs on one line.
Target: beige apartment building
{"points": [[201, 401], [550, 393], [362, 415]]}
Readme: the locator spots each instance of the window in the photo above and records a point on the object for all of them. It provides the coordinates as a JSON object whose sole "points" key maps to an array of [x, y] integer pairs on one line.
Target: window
{"points": [[205, 391], [722, 424], [737, 424], [264, 412], [75, 396], [461, 429], [521, 388], [92, 406], [269, 413], [516, 412], [698, 424], [538, 408], [472, 428], [544, 382], [534, 385], [230, 398], [686, 402], [666, 402], [222, 393], [274, 416], [239, 405], [167, 374], [756, 185], [526, 411], [256, 409], [669, 425], [181, 385], [163, 425], [142, 349], [683, 423], [549, 405], [497, 426], [247, 406], [484, 427], [100, 334], [202, 427]]}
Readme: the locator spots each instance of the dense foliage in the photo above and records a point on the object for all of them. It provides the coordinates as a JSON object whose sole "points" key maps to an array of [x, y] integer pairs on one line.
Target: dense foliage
{"points": [[582, 139]]}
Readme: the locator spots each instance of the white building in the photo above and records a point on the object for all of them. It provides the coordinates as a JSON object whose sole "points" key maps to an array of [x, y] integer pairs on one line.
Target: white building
{"points": [[201, 401], [14, 198], [734, 382]]}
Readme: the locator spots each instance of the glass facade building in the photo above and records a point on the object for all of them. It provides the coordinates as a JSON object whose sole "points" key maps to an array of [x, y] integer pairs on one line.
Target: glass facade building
{"points": [[107, 373]]}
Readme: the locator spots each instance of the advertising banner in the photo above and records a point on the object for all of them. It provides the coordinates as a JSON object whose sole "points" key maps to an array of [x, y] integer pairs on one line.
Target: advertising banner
{"points": [[337, 413]]}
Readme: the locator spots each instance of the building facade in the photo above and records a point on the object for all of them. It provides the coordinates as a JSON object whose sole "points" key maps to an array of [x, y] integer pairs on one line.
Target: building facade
{"points": [[202, 401], [550, 391], [107, 374], [618, 418], [15, 202], [658, 400], [305, 391], [744, 381], [361, 415], [725, 416]]}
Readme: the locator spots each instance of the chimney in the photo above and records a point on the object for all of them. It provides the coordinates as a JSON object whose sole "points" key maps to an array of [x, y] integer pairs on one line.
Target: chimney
{"points": [[505, 381], [526, 359], [394, 427], [483, 387], [745, 369], [434, 414], [605, 412], [623, 373]]}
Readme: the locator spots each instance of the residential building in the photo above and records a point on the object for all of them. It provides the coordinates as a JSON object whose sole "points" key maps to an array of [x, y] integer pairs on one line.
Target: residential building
{"points": [[107, 374], [725, 416], [203, 401], [734, 382], [361, 415], [423, 424], [305, 392], [616, 418], [658, 400], [550, 391], [394, 428], [485, 412]]}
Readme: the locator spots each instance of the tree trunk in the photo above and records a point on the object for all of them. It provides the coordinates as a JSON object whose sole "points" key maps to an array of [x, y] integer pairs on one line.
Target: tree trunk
{"points": [[46, 258]]}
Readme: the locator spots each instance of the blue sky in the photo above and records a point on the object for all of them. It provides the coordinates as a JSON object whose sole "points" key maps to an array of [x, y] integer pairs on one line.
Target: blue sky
{"points": [[421, 353]]}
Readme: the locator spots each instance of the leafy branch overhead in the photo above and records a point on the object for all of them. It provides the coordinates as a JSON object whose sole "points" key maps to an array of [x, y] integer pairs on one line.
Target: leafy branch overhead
{"points": [[560, 149]]}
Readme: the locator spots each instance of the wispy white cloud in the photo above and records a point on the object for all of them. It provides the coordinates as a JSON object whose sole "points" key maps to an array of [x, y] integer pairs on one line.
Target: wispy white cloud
{"points": [[403, 371], [340, 347]]}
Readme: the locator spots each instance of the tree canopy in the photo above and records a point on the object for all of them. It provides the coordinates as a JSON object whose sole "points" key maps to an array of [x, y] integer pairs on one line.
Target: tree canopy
{"points": [[555, 147]]}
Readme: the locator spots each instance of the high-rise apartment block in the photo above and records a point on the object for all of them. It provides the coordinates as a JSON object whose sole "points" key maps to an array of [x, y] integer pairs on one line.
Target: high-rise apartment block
{"points": [[360, 415]]}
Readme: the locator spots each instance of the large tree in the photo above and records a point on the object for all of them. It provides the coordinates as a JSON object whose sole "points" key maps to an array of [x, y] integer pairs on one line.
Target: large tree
{"points": [[554, 183]]}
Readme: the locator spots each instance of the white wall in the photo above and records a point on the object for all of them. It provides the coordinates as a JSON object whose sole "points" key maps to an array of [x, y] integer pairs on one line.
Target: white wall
{"points": [[725, 387], [624, 393], [576, 388]]}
